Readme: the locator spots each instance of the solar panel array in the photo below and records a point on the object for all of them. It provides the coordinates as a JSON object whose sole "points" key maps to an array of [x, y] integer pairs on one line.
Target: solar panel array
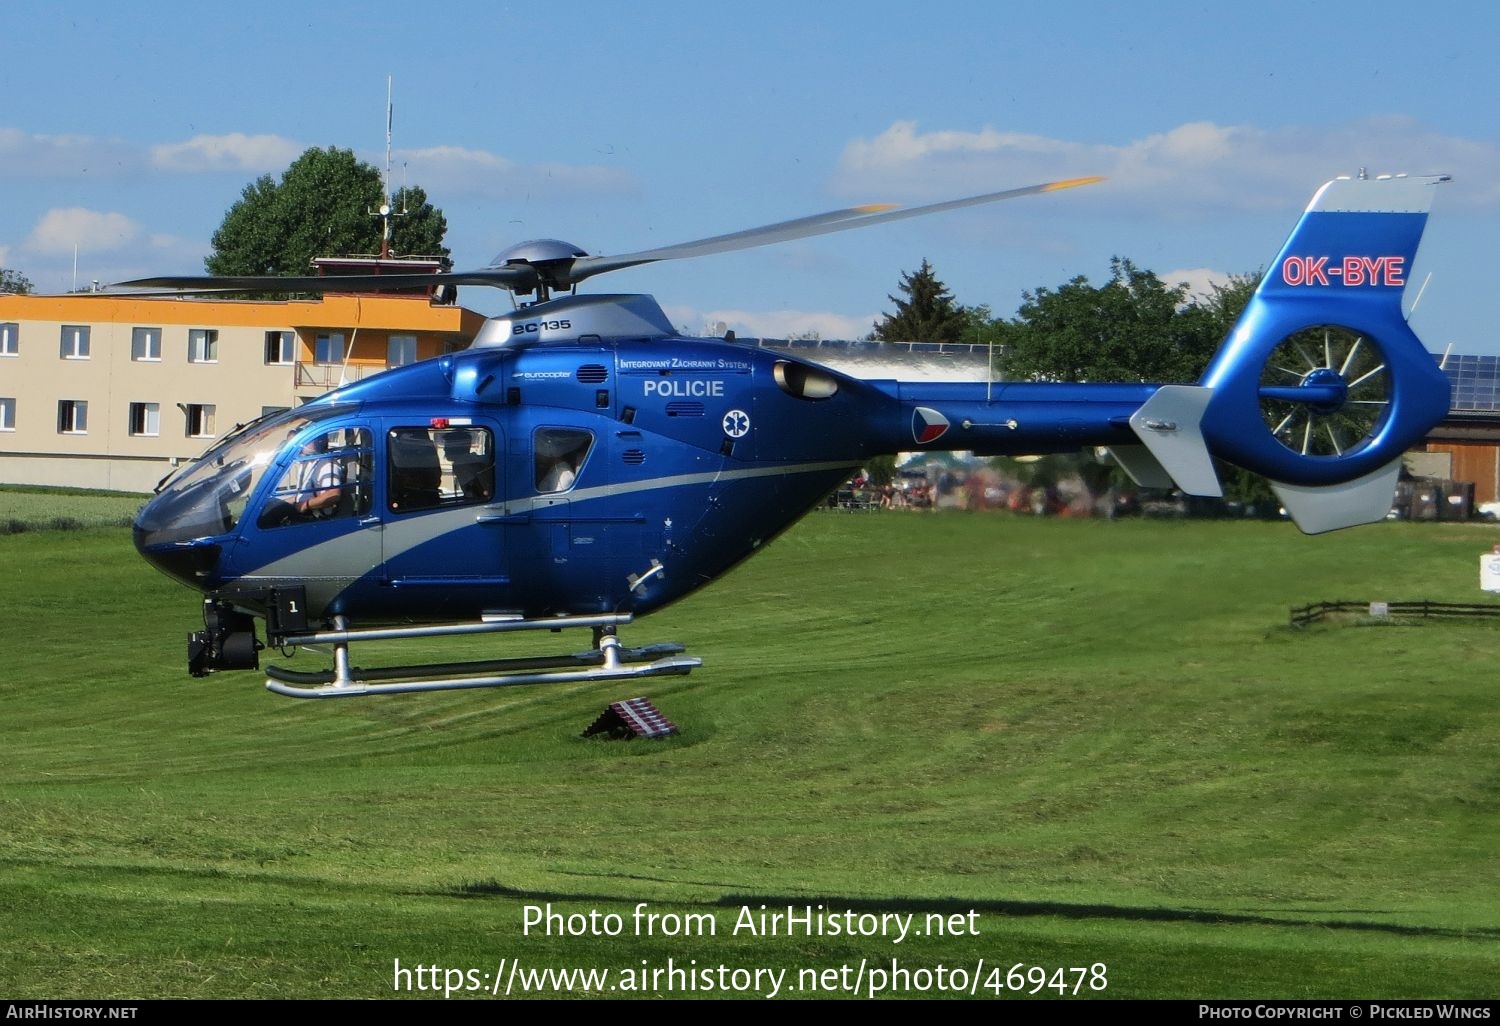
{"points": [[1475, 381]]}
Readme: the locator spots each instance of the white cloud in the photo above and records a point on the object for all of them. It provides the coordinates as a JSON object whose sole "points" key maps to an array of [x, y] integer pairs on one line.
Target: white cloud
{"points": [[459, 171], [902, 143], [773, 323], [1199, 280], [904, 162], [232, 152], [1183, 170], [25, 154], [92, 231]]}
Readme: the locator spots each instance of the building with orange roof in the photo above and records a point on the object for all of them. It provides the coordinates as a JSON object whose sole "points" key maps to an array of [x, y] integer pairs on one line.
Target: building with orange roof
{"points": [[108, 391]]}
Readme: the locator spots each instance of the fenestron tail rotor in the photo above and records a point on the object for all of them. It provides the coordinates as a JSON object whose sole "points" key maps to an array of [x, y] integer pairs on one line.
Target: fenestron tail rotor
{"points": [[1325, 391], [548, 264]]}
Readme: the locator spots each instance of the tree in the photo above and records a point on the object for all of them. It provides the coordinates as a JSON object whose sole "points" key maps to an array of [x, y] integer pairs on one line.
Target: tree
{"points": [[14, 282], [1224, 304], [321, 207], [983, 328], [1218, 312], [928, 314], [1133, 328]]}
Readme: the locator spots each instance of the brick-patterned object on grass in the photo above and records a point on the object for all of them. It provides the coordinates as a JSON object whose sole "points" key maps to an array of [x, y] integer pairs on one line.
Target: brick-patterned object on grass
{"points": [[634, 717]]}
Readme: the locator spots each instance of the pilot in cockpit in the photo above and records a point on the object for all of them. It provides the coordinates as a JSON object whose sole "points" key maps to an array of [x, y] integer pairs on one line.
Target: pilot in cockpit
{"points": [[314, 486]]}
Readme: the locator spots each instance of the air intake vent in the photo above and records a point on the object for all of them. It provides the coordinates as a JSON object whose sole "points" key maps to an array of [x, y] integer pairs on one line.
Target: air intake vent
{"points": [[634, 457], [593, 374], [688, 409]]}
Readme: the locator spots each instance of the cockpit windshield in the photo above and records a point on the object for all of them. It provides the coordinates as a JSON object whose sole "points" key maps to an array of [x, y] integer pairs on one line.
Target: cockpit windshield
{"points": [[209, 498]]}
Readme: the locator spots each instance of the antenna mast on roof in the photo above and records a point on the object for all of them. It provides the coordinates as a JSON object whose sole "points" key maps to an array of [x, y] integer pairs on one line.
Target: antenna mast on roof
{"points": [[385, 212]]}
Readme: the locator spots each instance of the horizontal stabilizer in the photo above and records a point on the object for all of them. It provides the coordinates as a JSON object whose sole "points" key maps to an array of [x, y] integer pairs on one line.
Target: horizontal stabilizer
{"points": [[1169, 425], [1143, 468], [1365, 500]]}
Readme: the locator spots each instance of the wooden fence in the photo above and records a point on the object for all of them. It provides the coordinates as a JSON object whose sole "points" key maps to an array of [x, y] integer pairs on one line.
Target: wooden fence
{"points": [[1301, 616]]}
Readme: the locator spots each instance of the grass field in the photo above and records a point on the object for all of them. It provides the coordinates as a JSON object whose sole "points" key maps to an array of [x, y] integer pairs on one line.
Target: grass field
{"points": [[1100, 738], [25, 508]]}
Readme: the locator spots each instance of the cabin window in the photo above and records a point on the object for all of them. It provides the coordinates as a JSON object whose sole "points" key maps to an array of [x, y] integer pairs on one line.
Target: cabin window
{"points": [[431, 467], [560, 453], [329, 478]]}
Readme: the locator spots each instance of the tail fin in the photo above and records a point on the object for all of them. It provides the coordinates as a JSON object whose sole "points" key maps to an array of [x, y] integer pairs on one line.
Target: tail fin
{"points": [[1322, 385]]}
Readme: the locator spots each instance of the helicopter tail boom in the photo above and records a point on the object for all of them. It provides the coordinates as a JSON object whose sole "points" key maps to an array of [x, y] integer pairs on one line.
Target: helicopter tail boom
{"points": [[1321, 385]]}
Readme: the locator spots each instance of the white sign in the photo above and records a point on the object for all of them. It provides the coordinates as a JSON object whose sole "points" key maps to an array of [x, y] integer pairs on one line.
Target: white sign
{"points": [[1489, 572]]}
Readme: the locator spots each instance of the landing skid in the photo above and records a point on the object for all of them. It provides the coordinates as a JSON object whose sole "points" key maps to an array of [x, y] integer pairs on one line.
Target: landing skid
{"points": [[607, 660]]}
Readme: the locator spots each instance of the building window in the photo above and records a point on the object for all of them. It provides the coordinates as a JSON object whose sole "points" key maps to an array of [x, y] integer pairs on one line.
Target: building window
{"points": [[329, 350], [10, 339], [269, 411], [281, 347], [145, 419], [75, 342], [7, 414], [401, 351], [72, 417], [145, 344], [203, 345], [200, 420]]}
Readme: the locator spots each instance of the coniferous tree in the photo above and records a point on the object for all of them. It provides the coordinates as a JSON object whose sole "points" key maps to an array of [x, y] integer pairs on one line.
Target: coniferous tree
{"points": [[927, 314]]}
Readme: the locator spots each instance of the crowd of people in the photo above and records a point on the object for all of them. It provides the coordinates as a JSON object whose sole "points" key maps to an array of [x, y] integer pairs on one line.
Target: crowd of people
{"points": [[977, 490]]}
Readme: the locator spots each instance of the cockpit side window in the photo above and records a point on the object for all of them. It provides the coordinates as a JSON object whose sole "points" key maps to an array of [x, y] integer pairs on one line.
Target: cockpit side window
{"points": [[432, 467], [212, 495], [559, 453], [329, 478]]}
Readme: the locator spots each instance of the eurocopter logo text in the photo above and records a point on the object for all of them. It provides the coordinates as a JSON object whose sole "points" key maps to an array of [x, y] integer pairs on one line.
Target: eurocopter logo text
{"points": [[1351, 271]]}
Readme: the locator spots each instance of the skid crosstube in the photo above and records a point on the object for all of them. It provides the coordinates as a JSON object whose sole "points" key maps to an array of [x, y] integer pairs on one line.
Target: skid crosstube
{"points": [[608, 660]]}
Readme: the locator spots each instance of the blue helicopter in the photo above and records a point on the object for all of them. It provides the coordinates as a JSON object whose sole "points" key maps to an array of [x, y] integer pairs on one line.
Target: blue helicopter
{"points": [[583, 464]]}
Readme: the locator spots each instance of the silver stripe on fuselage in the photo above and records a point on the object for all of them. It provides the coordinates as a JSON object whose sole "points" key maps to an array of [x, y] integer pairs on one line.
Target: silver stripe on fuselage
{"points": [[331, 559]]}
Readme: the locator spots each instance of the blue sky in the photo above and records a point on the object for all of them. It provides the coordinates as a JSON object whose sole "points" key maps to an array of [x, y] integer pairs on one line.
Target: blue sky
{"points": [[129, 131]]}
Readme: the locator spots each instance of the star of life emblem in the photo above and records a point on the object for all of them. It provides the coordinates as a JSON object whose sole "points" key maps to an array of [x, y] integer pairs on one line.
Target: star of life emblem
{"points": [[736, 423]]}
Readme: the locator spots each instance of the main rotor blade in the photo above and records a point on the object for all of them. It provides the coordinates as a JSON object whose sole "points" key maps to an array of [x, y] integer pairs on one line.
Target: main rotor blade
{"points": [[804, 227], [505, 277], [565, 273]]}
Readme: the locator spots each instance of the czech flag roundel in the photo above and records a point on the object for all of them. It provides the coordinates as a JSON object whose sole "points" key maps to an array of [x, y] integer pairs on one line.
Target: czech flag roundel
{"points": [[927, 425]]}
